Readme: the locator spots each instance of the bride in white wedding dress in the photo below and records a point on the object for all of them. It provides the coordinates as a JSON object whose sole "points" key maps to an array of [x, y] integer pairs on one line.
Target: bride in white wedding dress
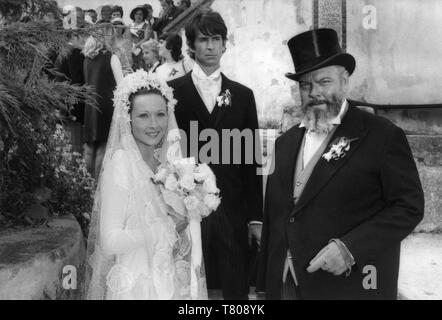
{"points": [[137, 247]]}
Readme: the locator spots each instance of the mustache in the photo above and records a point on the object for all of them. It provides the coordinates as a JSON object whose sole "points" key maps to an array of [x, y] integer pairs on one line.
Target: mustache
{"points": [[318, 102]]}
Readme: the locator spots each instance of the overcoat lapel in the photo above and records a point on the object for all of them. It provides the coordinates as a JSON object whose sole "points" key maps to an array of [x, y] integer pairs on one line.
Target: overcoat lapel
{"points": [[220, 111], [351, 128], [196, 103]]}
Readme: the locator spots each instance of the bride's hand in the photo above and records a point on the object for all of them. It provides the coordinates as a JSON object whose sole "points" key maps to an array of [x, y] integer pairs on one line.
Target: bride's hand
{"points": [[181, 223]]}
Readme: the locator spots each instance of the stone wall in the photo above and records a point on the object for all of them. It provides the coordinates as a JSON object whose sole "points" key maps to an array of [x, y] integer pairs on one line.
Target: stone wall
{"points": [[398, 62], [32, 261], [257, 53], [427, 151]]}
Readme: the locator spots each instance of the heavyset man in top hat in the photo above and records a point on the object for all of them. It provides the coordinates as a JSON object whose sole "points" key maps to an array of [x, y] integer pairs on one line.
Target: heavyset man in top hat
{"points": [[344, 193]]}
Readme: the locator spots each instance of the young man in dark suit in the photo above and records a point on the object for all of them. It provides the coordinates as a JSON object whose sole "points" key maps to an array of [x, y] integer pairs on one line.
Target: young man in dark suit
{"points": [[344, 193], [210, 102]]}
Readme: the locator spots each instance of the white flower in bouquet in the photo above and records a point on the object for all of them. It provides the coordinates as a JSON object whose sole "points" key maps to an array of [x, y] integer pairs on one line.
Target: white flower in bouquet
{"points": [[212, 201], [209, 186], [204, 210], [191, 202], [161, 175], [185, 166], [203, 172], [173, 152], [171, 183], [187, 182]]}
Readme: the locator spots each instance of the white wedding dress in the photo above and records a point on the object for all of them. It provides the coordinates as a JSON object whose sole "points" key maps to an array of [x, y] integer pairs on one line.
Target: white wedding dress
{"points": [[137, 248]]}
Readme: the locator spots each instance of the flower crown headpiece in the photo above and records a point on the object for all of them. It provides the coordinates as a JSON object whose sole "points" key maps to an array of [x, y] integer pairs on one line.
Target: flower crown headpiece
{"points": [[134, 82]]}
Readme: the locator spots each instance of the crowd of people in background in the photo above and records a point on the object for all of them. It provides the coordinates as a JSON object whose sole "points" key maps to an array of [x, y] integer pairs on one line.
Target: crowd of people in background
{"points": [[111, 51], [128, 39]]}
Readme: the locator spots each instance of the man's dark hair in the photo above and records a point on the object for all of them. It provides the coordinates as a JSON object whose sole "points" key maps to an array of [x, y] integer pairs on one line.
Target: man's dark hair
{"points": [[174, 43], [209, 23], [118, 9], [92, 10]]}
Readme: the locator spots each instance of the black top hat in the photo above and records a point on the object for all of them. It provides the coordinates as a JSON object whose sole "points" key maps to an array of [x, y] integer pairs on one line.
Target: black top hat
{"points": [[315, 49], [143, 9]]}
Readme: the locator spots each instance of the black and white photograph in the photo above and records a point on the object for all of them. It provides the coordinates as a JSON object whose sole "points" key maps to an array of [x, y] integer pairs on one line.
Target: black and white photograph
{"points": [[220, 150]]}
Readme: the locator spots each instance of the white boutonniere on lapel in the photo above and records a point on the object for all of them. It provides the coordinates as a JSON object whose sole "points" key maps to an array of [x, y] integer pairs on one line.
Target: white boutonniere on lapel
{"points": [[224, 99], [339, 149], [173, 72]]}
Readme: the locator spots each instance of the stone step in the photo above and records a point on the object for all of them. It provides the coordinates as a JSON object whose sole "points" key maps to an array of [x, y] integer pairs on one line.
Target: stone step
{"points": [[33, 261], [420, 272], [427, 151], [431, 179]]}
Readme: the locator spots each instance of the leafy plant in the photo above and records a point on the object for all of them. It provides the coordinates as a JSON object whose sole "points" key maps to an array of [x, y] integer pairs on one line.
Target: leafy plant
{"points": [[43, 177], [40, 175]]}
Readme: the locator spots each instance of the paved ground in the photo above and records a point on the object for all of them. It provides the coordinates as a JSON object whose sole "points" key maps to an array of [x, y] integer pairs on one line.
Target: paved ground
{"points": [[420, 274]]}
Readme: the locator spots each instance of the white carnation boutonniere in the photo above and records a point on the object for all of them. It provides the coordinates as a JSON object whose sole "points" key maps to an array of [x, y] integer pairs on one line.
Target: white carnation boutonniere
{"points": [[224, 99], [339, 149], [173, 72]]}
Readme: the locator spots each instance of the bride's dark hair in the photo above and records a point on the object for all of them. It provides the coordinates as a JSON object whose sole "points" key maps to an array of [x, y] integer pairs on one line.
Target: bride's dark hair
{"points": [[141, 92]]}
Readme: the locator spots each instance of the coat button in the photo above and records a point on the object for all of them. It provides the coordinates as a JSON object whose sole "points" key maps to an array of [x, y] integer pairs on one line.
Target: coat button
{"points": [[292, 220], [298, 183]]}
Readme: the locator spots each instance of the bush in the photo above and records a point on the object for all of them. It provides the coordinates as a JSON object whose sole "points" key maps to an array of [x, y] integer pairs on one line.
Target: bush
{"points": [[40, 175], [43, 177]]}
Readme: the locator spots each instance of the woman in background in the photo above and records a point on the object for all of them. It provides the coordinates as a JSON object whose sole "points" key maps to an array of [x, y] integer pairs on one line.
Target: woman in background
{"points": [[70, 67], [173, 65], [140, 32], [105, 14], [151, 56], [123, 45], [117, 12], [102, 70], [151, 19]]}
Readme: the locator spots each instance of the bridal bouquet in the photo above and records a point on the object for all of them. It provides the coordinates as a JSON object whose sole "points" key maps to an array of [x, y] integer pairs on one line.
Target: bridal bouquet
{"points": [[191, 191], [188, 188]]}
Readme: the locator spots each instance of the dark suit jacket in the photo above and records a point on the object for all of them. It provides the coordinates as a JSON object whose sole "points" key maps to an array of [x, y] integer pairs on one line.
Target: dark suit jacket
{"points": [[241, 187], [371, 199]]}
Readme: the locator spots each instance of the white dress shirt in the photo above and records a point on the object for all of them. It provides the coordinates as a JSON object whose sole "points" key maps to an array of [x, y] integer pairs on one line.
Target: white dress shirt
{"points": [[209, 87], [313, 140]]}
